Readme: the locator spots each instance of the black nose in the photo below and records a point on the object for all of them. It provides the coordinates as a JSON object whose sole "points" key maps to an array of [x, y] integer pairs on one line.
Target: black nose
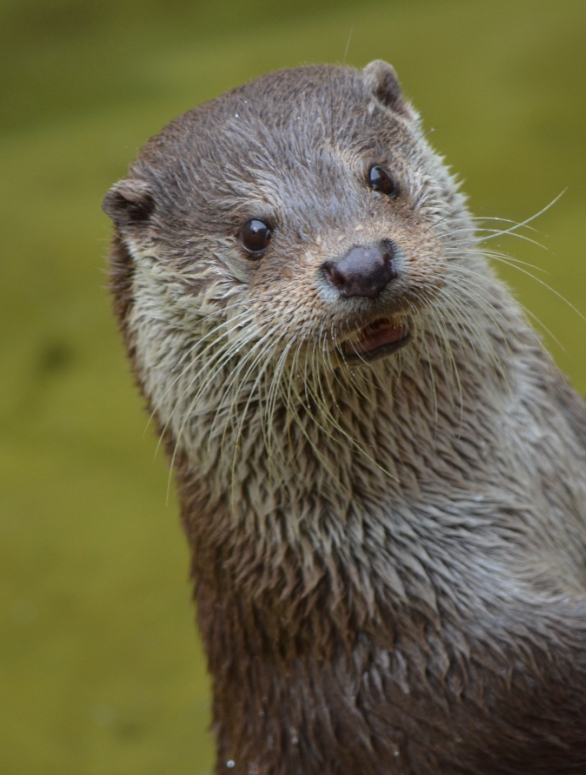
{"points": [[364, 270]]}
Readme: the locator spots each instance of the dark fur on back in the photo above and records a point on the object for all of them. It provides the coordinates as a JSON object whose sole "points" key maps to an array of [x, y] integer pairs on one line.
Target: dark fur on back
{"points": [[389, 558]]}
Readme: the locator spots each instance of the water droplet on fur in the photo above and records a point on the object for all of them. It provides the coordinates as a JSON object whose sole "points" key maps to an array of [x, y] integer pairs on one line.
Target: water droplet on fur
{"points": [[230, 764]]}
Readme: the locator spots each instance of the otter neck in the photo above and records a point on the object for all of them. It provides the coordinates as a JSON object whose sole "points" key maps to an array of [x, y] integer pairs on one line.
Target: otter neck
{"points": [[391, 426], [307, 530]]}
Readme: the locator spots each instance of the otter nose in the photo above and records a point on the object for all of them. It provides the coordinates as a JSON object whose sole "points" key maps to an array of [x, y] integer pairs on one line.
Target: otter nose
{"points": [[364, 270]]}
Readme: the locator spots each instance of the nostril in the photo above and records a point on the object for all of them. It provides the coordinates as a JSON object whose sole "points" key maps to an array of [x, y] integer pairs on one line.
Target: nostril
{"points": [[334, 275]]}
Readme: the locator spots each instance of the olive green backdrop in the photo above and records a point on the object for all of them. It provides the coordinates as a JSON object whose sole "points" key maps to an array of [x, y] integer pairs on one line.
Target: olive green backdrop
{"points": [[101, 672]]}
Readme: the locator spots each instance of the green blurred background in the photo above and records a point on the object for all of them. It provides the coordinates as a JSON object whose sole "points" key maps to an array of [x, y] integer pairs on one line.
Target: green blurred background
{"points": [[101, 672]]}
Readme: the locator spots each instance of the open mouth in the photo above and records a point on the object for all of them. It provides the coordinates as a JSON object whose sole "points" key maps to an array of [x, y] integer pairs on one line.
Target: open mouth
{"points": [[375, 341]]}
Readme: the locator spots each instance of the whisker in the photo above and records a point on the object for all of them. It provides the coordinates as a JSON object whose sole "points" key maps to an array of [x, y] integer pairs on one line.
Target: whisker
{"points": [[529, 220]]}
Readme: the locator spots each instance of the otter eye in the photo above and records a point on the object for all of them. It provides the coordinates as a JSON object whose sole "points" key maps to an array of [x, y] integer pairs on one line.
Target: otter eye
{"points": [[381, 181], [255, 236]]}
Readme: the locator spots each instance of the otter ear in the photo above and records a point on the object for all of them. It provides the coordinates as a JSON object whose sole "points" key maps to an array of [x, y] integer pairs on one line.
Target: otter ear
{"points": [[129, 203], [381, 80]]}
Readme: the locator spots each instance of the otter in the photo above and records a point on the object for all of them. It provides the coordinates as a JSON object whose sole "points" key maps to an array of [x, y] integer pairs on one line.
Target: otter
{"points": [[382, 474]]}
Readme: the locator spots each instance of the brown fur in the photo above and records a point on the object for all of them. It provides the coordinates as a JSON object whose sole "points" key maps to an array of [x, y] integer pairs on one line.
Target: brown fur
{"points": [[388, 559]]}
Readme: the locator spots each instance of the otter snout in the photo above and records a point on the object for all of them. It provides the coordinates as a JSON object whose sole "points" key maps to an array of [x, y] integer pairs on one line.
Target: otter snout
{"points": [[365, 270]]}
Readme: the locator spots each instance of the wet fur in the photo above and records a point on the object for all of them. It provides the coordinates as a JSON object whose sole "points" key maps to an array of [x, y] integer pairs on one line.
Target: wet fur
{"points": [[389, 559]]}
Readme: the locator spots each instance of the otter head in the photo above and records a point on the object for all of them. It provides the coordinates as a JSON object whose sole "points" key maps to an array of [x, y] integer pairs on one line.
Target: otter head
{"points": [[294, 228]]}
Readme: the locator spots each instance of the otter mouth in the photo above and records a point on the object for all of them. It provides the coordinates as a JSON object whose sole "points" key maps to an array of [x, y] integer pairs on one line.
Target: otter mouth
{"points": [[375, 341]]}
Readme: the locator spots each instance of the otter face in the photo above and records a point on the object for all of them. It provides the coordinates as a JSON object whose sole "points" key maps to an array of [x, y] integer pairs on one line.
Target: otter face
{"points": [[299, 222]]}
